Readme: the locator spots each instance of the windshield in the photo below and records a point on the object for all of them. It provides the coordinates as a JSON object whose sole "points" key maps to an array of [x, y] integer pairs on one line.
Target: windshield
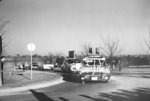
{"points": [[94, 62], [73, 61]]}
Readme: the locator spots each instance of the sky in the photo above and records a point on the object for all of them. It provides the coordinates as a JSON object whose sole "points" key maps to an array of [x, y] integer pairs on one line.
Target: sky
{"points": [[63, 25]]}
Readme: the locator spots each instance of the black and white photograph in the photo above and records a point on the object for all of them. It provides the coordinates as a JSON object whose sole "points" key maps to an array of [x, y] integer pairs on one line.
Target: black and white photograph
{"points": [[75, 50]]}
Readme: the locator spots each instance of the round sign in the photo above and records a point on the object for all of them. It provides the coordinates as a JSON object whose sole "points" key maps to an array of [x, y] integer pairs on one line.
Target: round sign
{"points": [[31, 47]]}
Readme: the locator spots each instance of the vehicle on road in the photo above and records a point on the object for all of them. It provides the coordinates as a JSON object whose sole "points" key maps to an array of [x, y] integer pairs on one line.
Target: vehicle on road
{"points": [[19, 66], [34, 65], [94, 69], [71, 65], [48, 66]]}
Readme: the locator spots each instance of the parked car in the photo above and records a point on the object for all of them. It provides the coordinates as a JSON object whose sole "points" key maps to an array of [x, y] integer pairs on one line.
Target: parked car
{"points": [[48, 66], [34, 65], [57, 69], [20, 66], [94, 69]]}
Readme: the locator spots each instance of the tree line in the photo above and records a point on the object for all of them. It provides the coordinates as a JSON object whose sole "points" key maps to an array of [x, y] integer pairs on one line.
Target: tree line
{"points": [[126, 60]]}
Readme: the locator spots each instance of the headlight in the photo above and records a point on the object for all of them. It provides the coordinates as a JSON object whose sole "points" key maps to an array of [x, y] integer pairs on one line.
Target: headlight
{"points": [[87, 76], [105, 76], [82, 78]]}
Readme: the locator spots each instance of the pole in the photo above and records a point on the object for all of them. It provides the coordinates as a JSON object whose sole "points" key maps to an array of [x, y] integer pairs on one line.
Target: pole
{"points": [[0, 75], [31, 48], [1, 68], [31, 65], [2, 72]]}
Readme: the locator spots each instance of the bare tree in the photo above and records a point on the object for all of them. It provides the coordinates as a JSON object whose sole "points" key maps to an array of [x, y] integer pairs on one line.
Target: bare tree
{"points": [[49, 58], [4, 34], [2, 25], [59, 58], [111, 48], [147, 42]]}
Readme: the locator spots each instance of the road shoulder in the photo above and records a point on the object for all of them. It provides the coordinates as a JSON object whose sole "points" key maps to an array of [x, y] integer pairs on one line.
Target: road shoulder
{"points": [[55, 79]]}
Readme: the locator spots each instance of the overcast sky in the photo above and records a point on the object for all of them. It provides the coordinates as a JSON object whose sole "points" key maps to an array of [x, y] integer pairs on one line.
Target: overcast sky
{"points": [[63, 25]]}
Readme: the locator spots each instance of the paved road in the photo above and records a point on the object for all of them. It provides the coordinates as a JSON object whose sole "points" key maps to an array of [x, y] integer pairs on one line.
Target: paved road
{"points": [[127, 87]]}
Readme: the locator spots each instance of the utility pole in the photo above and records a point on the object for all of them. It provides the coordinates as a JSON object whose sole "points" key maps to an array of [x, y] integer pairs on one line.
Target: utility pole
{"points": [[1, 68]]}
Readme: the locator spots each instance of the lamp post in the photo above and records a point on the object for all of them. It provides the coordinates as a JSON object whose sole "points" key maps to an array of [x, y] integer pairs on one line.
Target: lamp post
{"points": [[31, 48]]}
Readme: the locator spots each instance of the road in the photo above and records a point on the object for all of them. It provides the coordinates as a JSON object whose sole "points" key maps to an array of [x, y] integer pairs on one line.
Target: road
{"points": [[121, 87]]}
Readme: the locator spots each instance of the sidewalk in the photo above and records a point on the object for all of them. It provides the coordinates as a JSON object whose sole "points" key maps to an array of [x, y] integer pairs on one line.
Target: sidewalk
{"points": [[20, 81], [133, 72]]}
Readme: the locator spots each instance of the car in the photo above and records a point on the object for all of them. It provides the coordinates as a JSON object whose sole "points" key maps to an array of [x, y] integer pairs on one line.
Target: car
{"points": [[34, 66], [94, 68], [48, 66], [57, 69], [20, 66], [71, 65]]}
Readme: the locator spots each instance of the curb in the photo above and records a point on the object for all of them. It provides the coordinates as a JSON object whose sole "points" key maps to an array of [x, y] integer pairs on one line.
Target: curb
{"points": [[11, 91]]}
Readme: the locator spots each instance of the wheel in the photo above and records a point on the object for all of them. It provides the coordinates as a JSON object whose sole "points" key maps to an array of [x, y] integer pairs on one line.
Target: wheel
{"points": [[105, 77], [106, 81], [82, 79]]}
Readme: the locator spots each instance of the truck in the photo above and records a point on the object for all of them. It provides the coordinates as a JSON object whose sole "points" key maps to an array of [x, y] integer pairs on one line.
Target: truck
{"points": [[94, 68]]}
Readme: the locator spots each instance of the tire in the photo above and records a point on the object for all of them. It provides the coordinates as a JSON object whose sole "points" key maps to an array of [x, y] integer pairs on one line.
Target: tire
{"points": [[106, 81]]}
